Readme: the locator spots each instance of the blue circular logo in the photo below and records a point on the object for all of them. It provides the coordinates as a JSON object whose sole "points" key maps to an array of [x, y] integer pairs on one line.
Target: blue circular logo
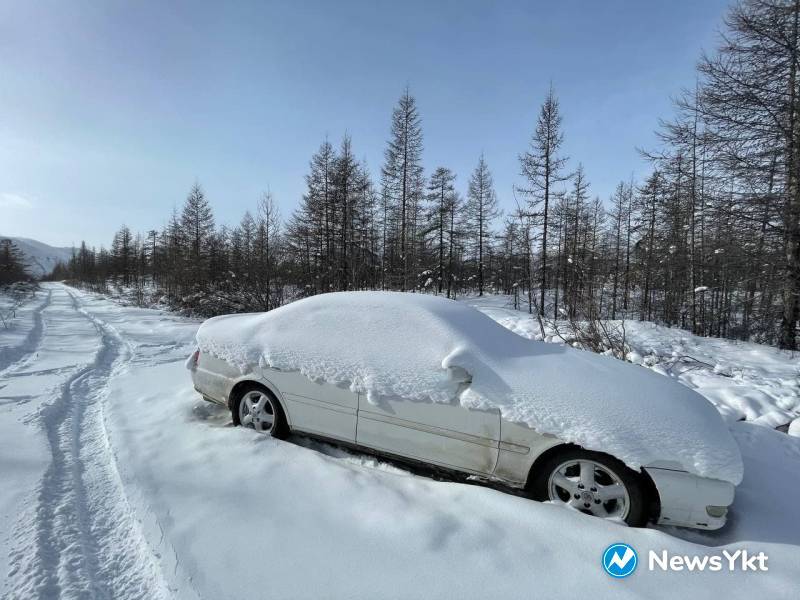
{"points": [[620, 560]]}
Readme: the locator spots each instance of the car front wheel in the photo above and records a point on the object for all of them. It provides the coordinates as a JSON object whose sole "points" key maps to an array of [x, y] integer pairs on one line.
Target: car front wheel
{"points": [[593, 483], [258, 409]]}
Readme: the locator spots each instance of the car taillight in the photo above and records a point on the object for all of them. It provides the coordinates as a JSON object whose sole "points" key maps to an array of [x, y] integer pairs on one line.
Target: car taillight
{"points": [[192, 360]]}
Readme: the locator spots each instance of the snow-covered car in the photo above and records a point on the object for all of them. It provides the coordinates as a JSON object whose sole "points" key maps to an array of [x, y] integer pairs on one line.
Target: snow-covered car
{"points": [[434, 381]]}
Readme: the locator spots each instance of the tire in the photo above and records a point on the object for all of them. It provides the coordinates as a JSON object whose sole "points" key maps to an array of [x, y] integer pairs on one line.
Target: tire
{"points": [[268, 419], [563, 476]]}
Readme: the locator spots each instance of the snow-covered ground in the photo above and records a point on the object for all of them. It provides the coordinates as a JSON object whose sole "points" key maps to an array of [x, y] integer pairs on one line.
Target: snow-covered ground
{"points": [[116, 481]]}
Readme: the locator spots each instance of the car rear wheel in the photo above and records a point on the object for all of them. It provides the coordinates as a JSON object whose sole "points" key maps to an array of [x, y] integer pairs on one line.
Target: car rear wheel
{"points": [[593, 483], [258, 409]]}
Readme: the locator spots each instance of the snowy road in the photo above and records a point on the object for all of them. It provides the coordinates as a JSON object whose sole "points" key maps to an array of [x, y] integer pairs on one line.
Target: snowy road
{"points": [[118, 482], [77, 536]]}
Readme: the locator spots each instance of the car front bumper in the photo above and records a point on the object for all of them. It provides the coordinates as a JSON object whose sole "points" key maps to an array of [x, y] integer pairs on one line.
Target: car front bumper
{"points": [[687, 500]]}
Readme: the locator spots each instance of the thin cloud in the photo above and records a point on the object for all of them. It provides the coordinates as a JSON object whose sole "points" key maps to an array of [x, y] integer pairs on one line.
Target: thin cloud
{"points": [[9, 200]]}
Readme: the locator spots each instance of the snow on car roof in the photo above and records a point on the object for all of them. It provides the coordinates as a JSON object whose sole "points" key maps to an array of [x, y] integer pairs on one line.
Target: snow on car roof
{"points": [[392, 344]]}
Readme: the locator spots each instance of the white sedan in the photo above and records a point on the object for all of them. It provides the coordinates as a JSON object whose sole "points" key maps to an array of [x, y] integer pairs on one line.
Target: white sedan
{"points": [[432, 381]]}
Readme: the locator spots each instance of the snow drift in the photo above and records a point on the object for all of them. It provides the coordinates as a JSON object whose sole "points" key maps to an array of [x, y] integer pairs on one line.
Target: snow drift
{"points": [[387, 344]]}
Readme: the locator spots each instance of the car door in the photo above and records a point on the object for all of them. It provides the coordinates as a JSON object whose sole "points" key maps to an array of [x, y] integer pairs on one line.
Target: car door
{"points": [[446, 435], [316, 407]]}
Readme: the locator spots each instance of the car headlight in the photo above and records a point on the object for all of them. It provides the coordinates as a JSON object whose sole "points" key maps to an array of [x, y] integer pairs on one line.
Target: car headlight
{"points": [[717, 511]]}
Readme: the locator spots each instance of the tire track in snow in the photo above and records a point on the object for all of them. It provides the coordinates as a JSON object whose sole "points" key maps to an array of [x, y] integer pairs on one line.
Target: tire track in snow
{"points": [[81, 539], [13, 358]]}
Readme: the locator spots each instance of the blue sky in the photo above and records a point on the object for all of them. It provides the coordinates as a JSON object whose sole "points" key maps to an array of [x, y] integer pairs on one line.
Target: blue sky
{"points": [[109, 111]]}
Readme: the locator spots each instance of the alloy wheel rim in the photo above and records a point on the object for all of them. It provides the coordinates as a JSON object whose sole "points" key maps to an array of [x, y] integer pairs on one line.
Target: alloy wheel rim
{"points": [[589, 487], [257, 411]]}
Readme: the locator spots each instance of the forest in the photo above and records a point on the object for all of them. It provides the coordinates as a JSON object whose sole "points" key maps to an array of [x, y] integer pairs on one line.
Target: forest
{"points": [[709, 241]]}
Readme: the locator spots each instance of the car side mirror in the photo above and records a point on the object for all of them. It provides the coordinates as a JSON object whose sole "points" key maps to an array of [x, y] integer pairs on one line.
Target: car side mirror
{"points": [[459, 375]]}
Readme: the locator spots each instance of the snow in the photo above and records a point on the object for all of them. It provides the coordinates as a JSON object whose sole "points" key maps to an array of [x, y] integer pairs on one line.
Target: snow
{"points": [[402, 345], [632, 357], [118, 481], [65, 503]]}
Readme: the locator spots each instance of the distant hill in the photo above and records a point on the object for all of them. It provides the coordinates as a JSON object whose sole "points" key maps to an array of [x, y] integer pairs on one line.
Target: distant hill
{"points": [[40, 258]]}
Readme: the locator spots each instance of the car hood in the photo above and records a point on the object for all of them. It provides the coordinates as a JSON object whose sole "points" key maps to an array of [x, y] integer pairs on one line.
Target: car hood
{"points": [[605, 404]]}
